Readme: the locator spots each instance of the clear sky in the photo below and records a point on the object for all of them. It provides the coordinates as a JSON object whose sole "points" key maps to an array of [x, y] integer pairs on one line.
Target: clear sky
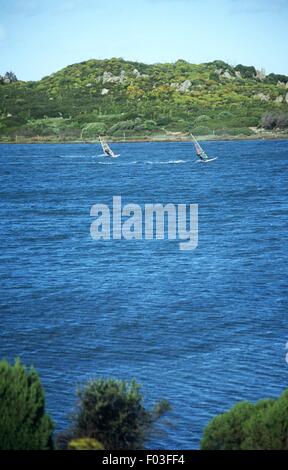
{"points": [[39, 37]]}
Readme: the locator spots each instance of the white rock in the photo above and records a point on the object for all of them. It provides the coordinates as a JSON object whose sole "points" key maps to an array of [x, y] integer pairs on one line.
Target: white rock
{"points": [[227, 75], [136, 73], [122, 76], [279, 99], [184, 87], [108, 77], [263, 97], [104, 92], [260, 74]]}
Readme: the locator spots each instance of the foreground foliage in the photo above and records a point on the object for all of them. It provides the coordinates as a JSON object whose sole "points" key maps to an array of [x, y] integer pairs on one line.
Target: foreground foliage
{"points": [[263, 426], [112, 412], [24, 425], [85, 444]]}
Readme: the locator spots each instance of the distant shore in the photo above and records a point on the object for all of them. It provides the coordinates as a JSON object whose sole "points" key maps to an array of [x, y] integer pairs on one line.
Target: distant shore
{"points": [[173, 137]]}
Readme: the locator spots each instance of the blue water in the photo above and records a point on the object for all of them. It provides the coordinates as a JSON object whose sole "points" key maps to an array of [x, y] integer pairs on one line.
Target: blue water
{"points": [[203, 329]]}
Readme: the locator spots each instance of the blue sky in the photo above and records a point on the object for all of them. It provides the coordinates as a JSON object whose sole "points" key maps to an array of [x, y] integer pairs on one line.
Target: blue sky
{"points": [[39, 37]]}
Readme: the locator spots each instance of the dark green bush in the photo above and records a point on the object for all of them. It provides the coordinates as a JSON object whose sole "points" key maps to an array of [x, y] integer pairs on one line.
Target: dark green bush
{"points": [[263, 426], [24, 425], [112, 412], [246, 71], [201, 130], [273, 120]]}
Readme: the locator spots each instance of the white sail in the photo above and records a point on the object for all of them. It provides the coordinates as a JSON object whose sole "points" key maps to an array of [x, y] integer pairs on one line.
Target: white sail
{"points": [[107, 151], [199, 151]]}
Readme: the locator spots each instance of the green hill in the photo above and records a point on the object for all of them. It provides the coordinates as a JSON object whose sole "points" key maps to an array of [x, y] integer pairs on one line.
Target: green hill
{"points": [[116, 98]]}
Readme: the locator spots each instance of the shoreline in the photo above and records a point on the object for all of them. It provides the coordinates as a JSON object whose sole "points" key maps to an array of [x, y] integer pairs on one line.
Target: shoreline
{"points": [[149, 139]]}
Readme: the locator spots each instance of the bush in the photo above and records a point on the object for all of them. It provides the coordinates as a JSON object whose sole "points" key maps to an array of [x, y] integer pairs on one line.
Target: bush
{"points": [[275, 78], [112, 412], [23, 423], [268, 426], [225, 432], [93, 129], [201, 130], [246, 71], [225, 115], [122, 126], [250, 427], [85, 443], [274, 120], [202, 118], [235, 131]]}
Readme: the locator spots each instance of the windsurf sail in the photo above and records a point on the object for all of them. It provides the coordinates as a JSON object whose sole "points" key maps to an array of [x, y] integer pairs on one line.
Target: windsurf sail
{"points": [[199, 151], [106, 149]]}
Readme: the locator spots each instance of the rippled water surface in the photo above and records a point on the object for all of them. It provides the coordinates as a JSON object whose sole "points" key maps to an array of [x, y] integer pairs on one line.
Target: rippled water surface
{"points": [[203, 329]]}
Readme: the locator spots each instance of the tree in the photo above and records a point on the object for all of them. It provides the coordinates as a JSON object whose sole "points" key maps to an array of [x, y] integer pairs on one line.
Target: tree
{"points": [[263, 426], [225, 432], [268, 427], [23, 422], [246, 71], [112, 412], [274, 120], [10, 77]]}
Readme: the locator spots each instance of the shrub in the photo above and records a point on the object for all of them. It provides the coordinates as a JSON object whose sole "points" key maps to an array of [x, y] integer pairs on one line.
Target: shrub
{"points": [[85, 443], [275, 78], [93, 129], [122, 126], [274, 120], [202, 118], [235, 131], [225, 432], [246, 71], [201, 130], [268, 426], [23, 422], [112, 412], [263, 426], [225, 115]]}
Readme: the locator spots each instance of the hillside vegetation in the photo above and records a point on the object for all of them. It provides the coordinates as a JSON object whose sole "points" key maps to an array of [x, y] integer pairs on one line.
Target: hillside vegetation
{"points": [[120, 98]]}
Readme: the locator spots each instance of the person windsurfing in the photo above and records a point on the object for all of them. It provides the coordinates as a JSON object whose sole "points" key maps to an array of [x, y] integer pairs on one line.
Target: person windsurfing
{"points": [[108, 152]]}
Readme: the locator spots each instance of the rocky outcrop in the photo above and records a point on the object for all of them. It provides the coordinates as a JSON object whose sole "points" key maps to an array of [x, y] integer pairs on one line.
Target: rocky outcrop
{"points": [[227, 75], [182, 87], [263, 97], [279, 99], [260, 74], [108, 77], [137, 74]]}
